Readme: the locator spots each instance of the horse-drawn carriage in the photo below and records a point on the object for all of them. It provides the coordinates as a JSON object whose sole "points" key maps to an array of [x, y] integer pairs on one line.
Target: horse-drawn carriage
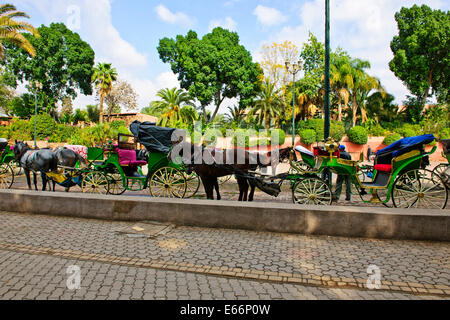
{"points": [[443, 170], [6, 169], [399, 174], [117, 168]]}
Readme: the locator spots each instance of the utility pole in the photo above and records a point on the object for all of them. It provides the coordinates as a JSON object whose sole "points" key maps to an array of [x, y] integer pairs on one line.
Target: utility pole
{"points": [[327, 70]]}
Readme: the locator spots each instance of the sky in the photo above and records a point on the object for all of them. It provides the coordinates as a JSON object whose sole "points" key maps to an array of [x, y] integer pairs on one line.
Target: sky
{"points": [[127, 33]]}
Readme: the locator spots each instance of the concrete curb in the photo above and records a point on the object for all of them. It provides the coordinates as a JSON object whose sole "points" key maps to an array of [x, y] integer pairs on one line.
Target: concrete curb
{"points": [[367, 222]]}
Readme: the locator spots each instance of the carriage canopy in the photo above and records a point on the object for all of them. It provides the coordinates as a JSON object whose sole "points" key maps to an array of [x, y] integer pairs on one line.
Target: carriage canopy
{"points": [[152, 137], [407, 144]]}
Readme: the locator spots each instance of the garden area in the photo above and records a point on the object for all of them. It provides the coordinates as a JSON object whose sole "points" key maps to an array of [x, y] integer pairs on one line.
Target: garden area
{"points": [[222, 88]]}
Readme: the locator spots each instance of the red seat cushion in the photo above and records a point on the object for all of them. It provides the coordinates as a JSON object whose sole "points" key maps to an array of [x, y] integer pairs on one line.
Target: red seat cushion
{"points": [[128, 158], [383, 167]]}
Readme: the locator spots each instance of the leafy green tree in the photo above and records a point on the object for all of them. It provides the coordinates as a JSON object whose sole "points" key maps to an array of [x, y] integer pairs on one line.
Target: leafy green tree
{"points": [[421, 58], [103, 79], [213, 68], [381, 107], [79, 116], [10, 30], [63, 64], [93, 113], [170, 106], [24, 106]]}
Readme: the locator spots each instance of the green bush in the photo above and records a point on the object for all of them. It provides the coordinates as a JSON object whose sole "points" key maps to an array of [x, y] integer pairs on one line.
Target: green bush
{"points": [[211, 136], [62, 133], [117, 124], [409, 130], [444, 134], [358, 135], [377, 131], [308, 136], [281, 136], [20, 130], [3, 132], [337, 130], [313, 124], [392, 138], [45, 125], [240, 136]]}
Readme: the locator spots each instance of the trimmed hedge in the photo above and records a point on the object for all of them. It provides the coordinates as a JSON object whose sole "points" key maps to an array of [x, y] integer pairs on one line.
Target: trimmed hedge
{"points": [[308, 136], [358, 135], [392, 138]]}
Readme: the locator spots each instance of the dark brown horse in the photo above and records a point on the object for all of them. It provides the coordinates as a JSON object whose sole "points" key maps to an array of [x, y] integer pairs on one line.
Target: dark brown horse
{"points": [[211, 164]]}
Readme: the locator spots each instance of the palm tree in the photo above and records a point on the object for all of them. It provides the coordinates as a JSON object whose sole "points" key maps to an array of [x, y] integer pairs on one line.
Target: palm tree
{"points": [[268, 104], [341, 81], [10, 30], [236, 114], [103, 79], [171, 104], [363, 84]]}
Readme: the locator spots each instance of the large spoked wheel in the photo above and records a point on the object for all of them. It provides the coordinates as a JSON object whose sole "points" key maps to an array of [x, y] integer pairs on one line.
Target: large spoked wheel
{"points": [[419, 189], [312, 191], [116, 184], [18, 171], [95, 183], [6, 176], [192, 185], [168, 182], [440, 169]]}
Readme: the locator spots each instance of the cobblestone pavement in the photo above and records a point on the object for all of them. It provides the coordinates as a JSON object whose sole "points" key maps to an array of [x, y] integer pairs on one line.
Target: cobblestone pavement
{"points": [[198, 263], [25, 276]]}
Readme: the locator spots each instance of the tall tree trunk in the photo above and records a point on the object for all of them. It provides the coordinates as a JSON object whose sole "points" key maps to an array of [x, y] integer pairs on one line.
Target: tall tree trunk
{"points": [[102, 97], [427, 91], [267, 119], [340, 111], [354, 111]]}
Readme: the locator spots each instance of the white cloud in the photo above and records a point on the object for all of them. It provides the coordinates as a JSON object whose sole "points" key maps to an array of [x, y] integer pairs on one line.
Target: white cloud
{"points": [[227, 23], [269, 16], [173, 18]]}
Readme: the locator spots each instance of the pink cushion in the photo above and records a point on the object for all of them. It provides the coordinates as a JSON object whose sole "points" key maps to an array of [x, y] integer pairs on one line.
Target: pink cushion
{"points": [[383, 167], [128, 158]]}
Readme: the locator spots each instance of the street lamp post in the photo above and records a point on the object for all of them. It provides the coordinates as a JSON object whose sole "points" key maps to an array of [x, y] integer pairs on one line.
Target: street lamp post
{"points": [[293, 68], [37, 86]]}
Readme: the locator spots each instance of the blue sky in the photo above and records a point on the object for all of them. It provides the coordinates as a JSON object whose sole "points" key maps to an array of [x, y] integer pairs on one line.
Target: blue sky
{"points": [[126, 33]]}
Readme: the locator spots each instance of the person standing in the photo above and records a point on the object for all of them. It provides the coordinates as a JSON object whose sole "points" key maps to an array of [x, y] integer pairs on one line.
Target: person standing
{"points": [[343, 178]]}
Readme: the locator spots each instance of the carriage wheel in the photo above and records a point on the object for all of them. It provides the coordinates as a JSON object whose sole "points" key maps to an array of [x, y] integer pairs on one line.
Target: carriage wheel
{"points": [[116, 184], [168, 182], [95, 183], [419, 189], [192, 185], [223, 180], [6, 176], [18, 171], [440, 169], [312, 191]]}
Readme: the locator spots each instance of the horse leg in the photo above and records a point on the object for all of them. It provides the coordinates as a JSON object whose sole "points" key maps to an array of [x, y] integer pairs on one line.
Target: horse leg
{"points": [[27, 174], [252, 190], [44, 181], [209, 188], [216, 186], [35, 181], [243, 188]]}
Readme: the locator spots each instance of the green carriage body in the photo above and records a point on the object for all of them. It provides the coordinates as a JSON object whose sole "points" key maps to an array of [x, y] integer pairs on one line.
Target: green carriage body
{"points": [[7, 165], [412, 160]]}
